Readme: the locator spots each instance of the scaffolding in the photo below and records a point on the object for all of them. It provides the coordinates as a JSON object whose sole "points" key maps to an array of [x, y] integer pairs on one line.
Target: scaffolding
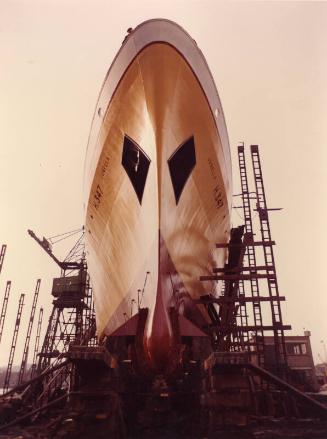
{"points": [[13, 344], [28, 335], [245, 281], [4, 308], [276, 313], [251, 258], [2, 255], [37, 343]]}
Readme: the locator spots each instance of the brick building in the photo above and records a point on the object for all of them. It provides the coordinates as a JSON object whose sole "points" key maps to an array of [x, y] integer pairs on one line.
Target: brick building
{"points": [[300, 360]]}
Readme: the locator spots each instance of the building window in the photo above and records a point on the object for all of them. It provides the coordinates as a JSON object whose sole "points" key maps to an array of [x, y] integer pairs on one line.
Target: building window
{"points": [[296, 348], [136, 164], [181, 164]]}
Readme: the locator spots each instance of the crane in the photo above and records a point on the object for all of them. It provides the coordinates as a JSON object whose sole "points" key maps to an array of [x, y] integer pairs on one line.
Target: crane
{"points": [[45, 244]]}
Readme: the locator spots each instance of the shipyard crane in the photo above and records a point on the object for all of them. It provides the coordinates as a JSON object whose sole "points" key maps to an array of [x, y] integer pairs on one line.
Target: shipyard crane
{"points": [[64, 265]]}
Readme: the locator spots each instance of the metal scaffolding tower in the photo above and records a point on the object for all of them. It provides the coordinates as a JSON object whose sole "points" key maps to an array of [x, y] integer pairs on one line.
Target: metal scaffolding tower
{"points": [[28, 334], [2, 255], [245, 283], [13, 343], [251, 257], [37, 343], [4, 308], [276, 313]]}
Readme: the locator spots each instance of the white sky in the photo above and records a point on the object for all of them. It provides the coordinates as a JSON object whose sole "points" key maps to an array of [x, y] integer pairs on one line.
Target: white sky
{"points": [[269, 62]]}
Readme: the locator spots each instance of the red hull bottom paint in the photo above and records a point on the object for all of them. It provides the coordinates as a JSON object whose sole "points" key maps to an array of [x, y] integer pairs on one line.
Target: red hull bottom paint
{"points": [[162, 336]]}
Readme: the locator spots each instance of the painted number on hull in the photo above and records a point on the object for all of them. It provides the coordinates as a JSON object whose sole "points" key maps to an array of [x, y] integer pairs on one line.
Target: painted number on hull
{"points": [[97, 197], [217, 192], [218, 197], [105, 166], [212, 169]]}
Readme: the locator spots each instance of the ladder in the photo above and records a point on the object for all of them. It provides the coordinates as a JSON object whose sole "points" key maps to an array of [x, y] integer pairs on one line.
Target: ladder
{"points": [[28, 335], [13, 344], [4, 308], [251, 256], [277, 323], [243, 318], [2, 255], [37, 343]]}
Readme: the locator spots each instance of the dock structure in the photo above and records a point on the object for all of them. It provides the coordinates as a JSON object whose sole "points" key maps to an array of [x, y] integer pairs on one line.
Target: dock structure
{"points": [[235, 370]]}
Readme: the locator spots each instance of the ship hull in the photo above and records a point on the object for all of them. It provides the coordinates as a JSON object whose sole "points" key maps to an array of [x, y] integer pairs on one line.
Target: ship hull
{"points": [[157, 185]]}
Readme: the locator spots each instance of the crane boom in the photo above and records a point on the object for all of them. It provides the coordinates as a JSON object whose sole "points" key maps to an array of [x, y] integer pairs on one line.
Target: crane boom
{"points": [[45, 244]]}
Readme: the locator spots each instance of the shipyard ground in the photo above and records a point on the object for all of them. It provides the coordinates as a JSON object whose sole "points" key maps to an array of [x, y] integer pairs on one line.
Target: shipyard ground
{"points": [[227, 397], [263, 429]]}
